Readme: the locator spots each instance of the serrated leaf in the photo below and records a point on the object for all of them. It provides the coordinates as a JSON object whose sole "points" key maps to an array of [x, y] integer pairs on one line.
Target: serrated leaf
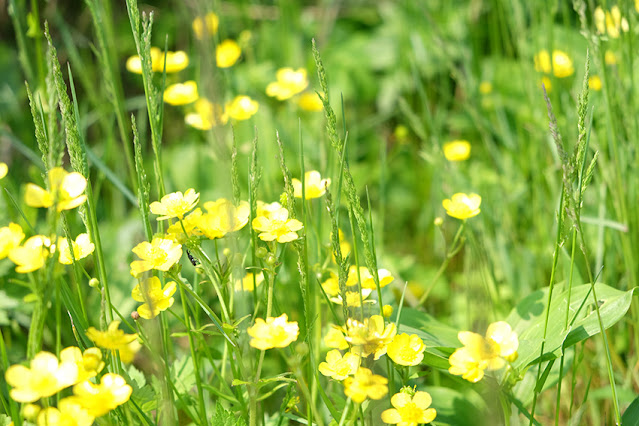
{"points": [[226, 418]]}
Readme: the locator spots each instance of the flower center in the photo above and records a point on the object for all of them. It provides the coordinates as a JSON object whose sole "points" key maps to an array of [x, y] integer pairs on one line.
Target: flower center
{"points": [[411, 413]]}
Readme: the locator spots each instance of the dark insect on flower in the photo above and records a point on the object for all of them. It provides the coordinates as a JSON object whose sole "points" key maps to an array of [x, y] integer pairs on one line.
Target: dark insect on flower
{"points": [[193, 260]]}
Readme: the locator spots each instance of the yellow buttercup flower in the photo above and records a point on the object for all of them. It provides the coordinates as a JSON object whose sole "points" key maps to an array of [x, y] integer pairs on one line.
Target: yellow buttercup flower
{"points": [[353, 298], [175, 61], [89, 362], [223, 217], [364, 385], [206, 115], [175, 232], [32, 255], [113, 338], [181, 93], [344, 245], [277, 227], [338, 367], [370, 337], [45, 377], [175, 204], [267, 209], [69, 412], [458, 150], [335, 339], [249, 282], [314, 185], [30, 411], [367, 279], [547, 83], [227, 53], [156, 299], [406, 350], [561, 65], [610, 22], [273, 333], [505, 338], [289, 83], [205, 26], [462, 206], [310, 102], [594, 83], [610, 58], [10, 237], [82, 247], [160, 254], [100, 399], [65, 191], [485, 87], [4, 169], [242, 108], [410, 410], [128, 351], [134, 64]]}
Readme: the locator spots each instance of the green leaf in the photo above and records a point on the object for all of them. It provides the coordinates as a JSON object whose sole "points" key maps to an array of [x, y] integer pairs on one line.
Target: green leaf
{"points": [[631, 415], [432, 332], [33, 27], [226, 418], [457, 408]]}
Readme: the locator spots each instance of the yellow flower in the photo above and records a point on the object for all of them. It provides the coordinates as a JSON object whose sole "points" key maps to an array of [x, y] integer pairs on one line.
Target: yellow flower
{"points": [[367, 279], [249, 282], [181, 93], [310, 102], [4, 169], [100, 399], [273, 333], [610, 22], [242, 108], [561, 63], [32, 255], [45, 378], [206, 115], [506, 339], [289, 83], [266, 209], [370, 337], [89, 362], [277, 227], [10, 237], [610, 58], [127, 352], [227, 53], [70, 412], [594, 83], [462, 206], [335, 339], [344, 245], [134, 64], [156, 299], [353, 299], [364, 385], [314, 185], [175, 232], [30, 411], [485, 87], [458, 150], [338, 367], [410, 410], [65, 191], [406, 350], [223, 217], [547, 83], [388, 311], [203, 27], [160, 254], [175, 61], [82, 247], [175, 204], [113, 338]]}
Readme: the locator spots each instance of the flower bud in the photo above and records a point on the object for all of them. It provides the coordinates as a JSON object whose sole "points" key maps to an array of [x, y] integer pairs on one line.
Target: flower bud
{"points": [[261, 252], [94, 282], [387, 310]]}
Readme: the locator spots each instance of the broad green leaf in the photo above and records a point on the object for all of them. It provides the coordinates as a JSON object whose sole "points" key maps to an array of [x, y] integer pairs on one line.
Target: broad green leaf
{"points": [[631, 415], [457, 408], [432, 332]]}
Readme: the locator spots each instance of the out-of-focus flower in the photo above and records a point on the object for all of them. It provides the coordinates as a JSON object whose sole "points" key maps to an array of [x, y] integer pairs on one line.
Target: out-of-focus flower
{"points": [[458, 150], [160, 254], [134, 64], [155, 298], [89, 362], [410, 410], [128, 351], [364, 385], [249, 282], [353, 298], [594, 83], [277, 227], [82, 247], [175, 204], [10, 237], [32, 255], [175, 232], [181, 93], [65, 191], [610, 22], [387, 310], [4, 169], [175, 61], [369, 337], [113, 338], [479, 353], [314, 185], [205, 26], [223, 217], [266, 209], [545, 82], [242, 108], [344, 245], [289, 83], [30, 411], [273, 333], [227, 53], [610, 58], [207, 114], [69, 412], [335, 339], [100, 399], [485, 87], [462, 206], [561, 64], [367, 279], [309, 101], [406, 350], [45, 377], [338, 367]]}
